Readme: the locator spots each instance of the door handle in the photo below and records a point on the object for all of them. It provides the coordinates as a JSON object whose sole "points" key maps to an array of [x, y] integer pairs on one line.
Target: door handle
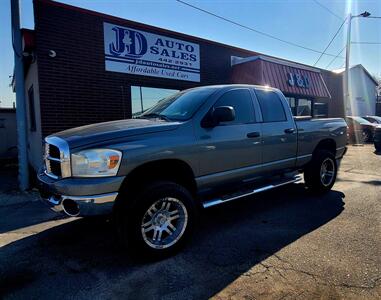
{"points": [[289, 130], [254, 134]]}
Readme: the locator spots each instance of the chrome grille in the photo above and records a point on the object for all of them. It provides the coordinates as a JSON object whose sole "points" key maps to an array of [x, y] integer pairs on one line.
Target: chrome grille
{"points": [[57, 158]]}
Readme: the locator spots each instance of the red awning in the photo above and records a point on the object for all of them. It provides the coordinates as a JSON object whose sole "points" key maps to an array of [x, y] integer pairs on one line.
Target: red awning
{"points": [[290, 78]]}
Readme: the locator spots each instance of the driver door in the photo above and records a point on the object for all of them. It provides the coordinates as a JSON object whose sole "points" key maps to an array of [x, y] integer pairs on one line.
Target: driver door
{"points": [[231, 151]]}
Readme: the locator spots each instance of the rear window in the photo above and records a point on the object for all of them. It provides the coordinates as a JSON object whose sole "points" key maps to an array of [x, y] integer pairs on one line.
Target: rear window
{"points": [[271, 106]]}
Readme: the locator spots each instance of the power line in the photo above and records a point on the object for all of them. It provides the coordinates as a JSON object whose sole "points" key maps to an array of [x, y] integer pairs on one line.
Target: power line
{"points": [[330, 42], [252, 29], [341, 67], [327, 9], [333, 59], [367, 43]]}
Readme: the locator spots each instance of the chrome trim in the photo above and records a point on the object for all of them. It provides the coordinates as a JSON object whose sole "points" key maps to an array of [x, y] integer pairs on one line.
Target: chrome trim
{"points": [[52, 158], [88, 205], [255, 191], [50, 175], [159, 219], [103, 198], [54, 201], [64, 159]]}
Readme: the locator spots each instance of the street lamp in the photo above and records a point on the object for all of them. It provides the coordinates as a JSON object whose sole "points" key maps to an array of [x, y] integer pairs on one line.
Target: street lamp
{"points": [[365, 14]]}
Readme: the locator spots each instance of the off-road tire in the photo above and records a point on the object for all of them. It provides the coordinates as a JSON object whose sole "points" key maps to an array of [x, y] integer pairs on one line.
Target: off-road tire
{"points": [[132, 208], [313, 172]]}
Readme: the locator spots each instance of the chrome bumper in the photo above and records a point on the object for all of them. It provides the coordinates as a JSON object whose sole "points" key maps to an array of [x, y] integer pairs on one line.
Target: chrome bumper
{"points": [[87, 205]]}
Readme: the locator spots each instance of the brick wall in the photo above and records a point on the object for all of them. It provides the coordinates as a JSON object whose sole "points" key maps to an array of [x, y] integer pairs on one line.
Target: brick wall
{"points": [[334, 82], [76, 90]]}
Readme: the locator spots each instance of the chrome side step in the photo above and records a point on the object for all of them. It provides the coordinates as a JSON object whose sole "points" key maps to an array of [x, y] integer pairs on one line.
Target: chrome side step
{"points": [[235, 196]]}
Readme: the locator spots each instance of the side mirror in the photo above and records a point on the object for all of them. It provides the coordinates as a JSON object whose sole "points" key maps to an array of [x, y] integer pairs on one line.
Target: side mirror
{"points": [[222, 114]]}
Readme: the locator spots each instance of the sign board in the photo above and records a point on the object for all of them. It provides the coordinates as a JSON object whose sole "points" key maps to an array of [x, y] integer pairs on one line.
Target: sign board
{"points": [[298, 80], [132, 51]]}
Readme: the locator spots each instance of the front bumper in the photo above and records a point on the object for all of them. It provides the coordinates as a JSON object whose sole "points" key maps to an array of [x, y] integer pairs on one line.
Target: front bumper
{"points": [[75, 206], [79, 196]]}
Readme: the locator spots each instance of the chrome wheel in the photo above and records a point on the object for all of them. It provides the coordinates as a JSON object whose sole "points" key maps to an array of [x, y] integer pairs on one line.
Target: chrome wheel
{"points": [[366, 135], [164, 223], [327, 171]]}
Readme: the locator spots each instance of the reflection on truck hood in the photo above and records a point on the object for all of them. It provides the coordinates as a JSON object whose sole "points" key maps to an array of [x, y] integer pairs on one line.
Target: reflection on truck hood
{"points": [[103, 132]]}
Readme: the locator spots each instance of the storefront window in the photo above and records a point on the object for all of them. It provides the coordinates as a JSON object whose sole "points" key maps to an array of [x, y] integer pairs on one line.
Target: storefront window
{"points": [[320, 110], [300, 106], [304, 107], [292, 103], [143, 98]]}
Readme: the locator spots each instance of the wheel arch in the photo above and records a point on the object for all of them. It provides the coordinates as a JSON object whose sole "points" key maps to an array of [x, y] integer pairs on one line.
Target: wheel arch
{"points": [[175, 170], [326, 144]]}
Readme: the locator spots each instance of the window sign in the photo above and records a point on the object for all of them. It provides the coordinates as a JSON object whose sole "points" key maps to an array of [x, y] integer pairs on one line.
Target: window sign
{"points": [[137, 52]]}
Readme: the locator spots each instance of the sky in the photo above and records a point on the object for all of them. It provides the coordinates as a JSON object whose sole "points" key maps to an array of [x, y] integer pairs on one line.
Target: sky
{"points": [[303, 22]]}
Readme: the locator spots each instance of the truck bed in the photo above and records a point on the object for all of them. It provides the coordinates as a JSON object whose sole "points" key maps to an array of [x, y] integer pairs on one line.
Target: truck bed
{"points": [[311, 131]]}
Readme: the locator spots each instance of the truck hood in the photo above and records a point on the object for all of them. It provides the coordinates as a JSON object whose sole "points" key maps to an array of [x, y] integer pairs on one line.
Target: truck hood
{"points": [[107, 131]]}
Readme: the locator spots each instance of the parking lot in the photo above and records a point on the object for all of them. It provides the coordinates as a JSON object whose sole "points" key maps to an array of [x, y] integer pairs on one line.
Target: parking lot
{"points": [[283, 244]]}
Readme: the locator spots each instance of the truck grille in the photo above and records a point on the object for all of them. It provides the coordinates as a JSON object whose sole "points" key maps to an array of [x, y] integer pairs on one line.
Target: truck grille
{"points": [[57, 158]]}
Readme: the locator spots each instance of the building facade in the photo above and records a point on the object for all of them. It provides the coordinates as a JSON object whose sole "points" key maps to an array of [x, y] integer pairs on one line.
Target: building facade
{"points": [[8, 133], [362, 92], [86, 67]]}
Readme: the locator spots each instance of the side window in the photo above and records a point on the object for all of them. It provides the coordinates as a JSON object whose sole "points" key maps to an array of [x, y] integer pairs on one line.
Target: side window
{"points": [[242, 103], [271, 106]]}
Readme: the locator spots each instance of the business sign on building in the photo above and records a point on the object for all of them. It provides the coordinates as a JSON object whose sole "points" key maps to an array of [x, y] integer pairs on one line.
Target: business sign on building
{"points": [[137, 52]]}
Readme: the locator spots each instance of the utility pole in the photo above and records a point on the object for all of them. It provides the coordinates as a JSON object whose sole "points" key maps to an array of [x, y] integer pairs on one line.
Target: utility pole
{"points": [[347, 99], [23, 174]]}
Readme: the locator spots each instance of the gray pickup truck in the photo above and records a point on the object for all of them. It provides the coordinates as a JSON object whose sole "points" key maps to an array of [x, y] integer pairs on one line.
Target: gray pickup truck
{"points": [[198, 148]]}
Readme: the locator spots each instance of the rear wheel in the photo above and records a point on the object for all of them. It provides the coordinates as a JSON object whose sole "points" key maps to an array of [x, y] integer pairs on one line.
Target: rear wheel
{"points": [[320, 174], [367, 136], [157, 221]]}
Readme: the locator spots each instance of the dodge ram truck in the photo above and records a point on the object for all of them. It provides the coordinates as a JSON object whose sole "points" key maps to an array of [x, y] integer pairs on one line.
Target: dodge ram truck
{"points": [[195, 149]]}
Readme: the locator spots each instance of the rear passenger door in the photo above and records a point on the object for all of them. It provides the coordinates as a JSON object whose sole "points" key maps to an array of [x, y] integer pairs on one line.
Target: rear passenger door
{"points": [[279, 135]]}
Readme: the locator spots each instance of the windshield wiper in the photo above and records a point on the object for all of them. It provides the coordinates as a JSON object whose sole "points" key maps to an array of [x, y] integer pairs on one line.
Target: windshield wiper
{"points": [[155, 115]]}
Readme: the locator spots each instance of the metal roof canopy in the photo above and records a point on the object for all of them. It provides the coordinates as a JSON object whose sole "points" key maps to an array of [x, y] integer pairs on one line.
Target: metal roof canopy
{"points": [[280, 74]]}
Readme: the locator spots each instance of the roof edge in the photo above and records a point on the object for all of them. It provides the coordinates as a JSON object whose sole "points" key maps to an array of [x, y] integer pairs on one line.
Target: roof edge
{"points": [[239, 60]]}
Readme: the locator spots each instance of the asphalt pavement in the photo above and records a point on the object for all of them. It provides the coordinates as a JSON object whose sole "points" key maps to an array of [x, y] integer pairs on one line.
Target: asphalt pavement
{"points": [[281, 244]]}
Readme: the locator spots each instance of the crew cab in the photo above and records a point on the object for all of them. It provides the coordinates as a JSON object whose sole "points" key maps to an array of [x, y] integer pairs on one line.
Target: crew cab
{"points": [[198, 148]]}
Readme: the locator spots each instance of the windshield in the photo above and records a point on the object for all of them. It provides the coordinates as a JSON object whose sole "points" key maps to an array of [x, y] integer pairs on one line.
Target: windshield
{"points": [[180, 106], [360, 120]]}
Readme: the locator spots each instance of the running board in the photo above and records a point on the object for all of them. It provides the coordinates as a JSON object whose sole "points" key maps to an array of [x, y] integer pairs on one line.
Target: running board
{"points": [[246, 193]]}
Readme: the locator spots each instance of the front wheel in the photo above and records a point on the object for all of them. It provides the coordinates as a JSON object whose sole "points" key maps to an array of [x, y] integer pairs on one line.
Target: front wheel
{"points": [[157, 221], [320, 174]]}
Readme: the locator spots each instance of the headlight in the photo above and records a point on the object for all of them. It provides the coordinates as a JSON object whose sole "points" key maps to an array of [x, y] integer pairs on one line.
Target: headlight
{"points": [[95, 163]]}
